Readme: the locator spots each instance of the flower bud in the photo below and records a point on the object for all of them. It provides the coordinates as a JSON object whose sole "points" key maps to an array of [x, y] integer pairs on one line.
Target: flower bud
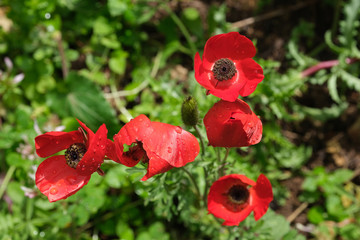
{"points": [[189, 111]]}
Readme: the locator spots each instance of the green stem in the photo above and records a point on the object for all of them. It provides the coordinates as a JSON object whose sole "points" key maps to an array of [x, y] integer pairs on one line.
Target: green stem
{"points": [[223, 163], [201, 140], [6, 180], [206, 187], [193, 181], [182, 28]]}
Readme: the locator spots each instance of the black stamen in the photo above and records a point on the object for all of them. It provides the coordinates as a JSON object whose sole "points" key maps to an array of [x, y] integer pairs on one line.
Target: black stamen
{"points": [[238, 194], [224, 69], [74, 154]]}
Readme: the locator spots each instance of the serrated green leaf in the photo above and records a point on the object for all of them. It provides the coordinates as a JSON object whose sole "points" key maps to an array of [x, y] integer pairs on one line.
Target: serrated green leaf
{"points": [[350, 80], [332, 85]]}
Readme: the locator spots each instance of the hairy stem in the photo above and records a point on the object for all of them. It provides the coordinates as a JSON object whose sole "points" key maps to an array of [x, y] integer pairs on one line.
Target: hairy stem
{"points": [[6, 180], [193, 181], [324, 65]]}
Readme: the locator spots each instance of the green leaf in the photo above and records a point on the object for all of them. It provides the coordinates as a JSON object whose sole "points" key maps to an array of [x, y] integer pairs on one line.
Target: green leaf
{"points": [[84, 101], [316, 214], [117, 62], [117, 7], [123, 231], [350, 80], [333, 88], [15, 159]]}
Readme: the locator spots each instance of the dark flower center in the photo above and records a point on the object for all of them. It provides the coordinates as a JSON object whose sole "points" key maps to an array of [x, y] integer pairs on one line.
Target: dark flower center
{"points": [[137, 152], [74, 154], [224, 69], [238, 194]]}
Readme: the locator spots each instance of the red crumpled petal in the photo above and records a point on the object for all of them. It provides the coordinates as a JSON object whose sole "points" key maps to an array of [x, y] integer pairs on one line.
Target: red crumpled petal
{"points": [[57, 180], [218, 199], [95, 153], [166, 145], [52, 142], [172, 143], [156, 166], [136, 130], [232, 124], [89, 133], [230, 45], [262, 196]]}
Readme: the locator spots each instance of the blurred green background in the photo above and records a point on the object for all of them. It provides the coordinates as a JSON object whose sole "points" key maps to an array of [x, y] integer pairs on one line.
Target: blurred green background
{"points": [[109, 61]]}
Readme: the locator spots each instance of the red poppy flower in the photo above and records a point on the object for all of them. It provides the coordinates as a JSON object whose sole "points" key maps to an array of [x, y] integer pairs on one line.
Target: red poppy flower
{"points": [[227, 69], [231, 198], [232, 124], [60, 176], [162, 146]]}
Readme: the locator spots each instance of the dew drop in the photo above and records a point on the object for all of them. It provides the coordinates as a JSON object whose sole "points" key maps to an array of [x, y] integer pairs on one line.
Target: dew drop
{"points": [[98, 143], [220, 115], [169, 150], [53, 191], [136, 129], [102, 146], [57, 142], [71, 179], [178, 129], [54, 172], [95, 150]]}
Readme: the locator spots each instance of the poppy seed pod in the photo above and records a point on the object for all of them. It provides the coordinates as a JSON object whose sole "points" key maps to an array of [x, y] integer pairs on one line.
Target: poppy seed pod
{"points": [[232, 124], [190, 112], [227, 69]]}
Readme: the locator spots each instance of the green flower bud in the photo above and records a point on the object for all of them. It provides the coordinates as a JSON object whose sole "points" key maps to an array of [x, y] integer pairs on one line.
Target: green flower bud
{"points": [[189, 111]]}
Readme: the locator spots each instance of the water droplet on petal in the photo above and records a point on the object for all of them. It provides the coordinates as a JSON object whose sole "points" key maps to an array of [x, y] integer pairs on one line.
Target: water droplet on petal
{"points": [[57, 142], [71, 179], [169, 150], [98, 143], [94, 150], [102, 146], [54, 172], [178, 129], [220, 115], [53, 191]]}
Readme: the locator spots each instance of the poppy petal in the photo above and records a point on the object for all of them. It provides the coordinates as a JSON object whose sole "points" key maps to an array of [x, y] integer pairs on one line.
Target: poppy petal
{"points": [[262, 196], [172, 143], [252, 72], [90, 134], [95, 154], [156, 166], [232, 124], [134, 131], [219, 204], [52, 142], [201, 74], [57, 180], [231, 45], [110, 150]]}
